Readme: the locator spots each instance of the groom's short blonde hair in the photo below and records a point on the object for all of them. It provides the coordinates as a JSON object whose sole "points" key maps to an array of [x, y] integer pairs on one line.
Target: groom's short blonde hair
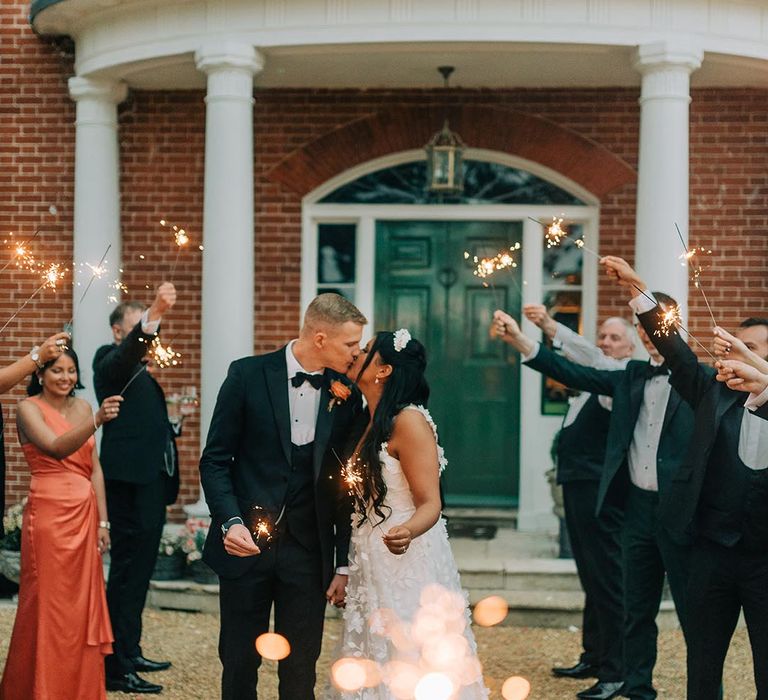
{"points": [[331, 309]]}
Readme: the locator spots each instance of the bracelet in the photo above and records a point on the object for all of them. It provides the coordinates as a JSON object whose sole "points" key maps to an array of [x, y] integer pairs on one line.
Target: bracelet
{"points": [[104, 524], [95, 427]]}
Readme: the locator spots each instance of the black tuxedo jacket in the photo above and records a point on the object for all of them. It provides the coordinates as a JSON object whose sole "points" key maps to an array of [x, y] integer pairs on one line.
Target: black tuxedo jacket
{"points": [[247, 458], [710, 399], [134, 445], [626, 386]]}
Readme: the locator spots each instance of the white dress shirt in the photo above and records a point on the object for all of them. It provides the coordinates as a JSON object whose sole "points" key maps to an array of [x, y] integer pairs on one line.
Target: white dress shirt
{"points": [[303, 401]]}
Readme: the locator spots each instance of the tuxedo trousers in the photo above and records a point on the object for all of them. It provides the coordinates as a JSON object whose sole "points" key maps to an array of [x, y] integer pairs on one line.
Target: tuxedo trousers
{"points": [[648, 552], [596, 546], [137, 515], [725, 580], [288, 575]]}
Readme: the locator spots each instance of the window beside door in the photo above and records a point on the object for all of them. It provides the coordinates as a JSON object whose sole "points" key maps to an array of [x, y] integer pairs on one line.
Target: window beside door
{"points": [[562, 295]]}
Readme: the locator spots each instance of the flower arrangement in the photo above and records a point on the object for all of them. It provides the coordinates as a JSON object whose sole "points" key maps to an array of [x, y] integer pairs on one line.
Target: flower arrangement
{"points": [[193, 538], [170, 544], [12, 519]]}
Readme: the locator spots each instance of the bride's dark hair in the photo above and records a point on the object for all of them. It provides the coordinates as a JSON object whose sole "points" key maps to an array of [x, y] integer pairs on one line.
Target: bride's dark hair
{"points": [[405, 385]]}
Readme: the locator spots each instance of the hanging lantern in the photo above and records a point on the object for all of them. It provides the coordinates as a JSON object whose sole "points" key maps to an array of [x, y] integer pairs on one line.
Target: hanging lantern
{"points": [[445, 162]]}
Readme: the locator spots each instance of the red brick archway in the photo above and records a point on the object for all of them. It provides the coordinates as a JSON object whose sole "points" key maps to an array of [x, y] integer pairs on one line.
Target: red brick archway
{"points": [[539, 140]]}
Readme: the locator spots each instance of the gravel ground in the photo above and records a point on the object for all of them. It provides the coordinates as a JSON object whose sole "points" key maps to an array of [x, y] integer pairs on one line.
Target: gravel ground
{"points": [[189, 639]]}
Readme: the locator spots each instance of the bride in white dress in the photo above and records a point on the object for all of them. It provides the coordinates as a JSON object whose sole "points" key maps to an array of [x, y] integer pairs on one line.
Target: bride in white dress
{"points": [[406, 623]]}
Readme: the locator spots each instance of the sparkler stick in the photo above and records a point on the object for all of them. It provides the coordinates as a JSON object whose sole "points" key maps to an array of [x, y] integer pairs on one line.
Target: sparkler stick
{"points": [[696, 273], [51, 276], [350, 475], [97, 271]]}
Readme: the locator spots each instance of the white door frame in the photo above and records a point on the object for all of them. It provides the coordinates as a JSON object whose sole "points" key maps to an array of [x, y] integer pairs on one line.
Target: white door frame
{"points": [[536, 431]]}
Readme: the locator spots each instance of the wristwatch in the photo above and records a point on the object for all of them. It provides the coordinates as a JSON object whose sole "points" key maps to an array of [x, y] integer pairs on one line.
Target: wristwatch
{"points": [[237, 520], [35, 356]]}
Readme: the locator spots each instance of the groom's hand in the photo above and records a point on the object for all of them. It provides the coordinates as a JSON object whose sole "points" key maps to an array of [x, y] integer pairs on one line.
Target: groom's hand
{"points": [[337, 591], [239, 543]]}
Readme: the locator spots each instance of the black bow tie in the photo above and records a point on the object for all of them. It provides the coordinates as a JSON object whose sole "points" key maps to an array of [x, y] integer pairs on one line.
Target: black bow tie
{"points": [[316, 380], [656, 370]]}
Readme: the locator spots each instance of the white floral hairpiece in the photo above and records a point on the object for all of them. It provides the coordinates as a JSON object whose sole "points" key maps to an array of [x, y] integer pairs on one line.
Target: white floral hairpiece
{"points": [[402, 338]]}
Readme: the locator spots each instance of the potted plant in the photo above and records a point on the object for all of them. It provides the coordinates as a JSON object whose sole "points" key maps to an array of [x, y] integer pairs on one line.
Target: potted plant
{"points": [[170, 557], [10, 544], [192, 541]]}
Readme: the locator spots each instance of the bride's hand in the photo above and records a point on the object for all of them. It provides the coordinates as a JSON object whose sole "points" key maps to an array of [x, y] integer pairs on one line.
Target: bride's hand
{"points": [[398, 539]]}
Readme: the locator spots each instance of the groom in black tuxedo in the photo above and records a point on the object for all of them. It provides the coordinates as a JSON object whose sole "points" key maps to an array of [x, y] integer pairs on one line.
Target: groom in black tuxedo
{"points": [[277, 419], [720, 496], [649, 431]]}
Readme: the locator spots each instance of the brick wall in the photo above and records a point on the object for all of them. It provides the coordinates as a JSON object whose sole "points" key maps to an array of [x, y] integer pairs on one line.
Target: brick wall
{"points": [[161, 144]]}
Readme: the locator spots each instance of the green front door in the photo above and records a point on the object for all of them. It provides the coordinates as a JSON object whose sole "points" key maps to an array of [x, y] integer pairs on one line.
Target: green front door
{"points": [[424, 283]]}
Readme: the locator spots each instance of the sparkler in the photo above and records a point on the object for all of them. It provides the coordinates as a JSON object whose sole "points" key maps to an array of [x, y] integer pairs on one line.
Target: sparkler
{"points": [[180, 238], [262, 525], [486, 267], [51, 277], [161, 355], [554, 233], [21, 255], [695, 268], [96, 271]]}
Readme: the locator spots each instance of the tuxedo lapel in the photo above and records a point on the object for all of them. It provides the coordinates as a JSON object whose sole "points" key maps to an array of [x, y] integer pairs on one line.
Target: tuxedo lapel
{"points": [[636, 391], [672, 405], [277, 386], [322, 425], [724, 400]]}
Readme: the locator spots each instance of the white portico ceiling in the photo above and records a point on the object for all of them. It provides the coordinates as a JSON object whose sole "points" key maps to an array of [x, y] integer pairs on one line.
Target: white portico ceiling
{"points": [[487, 65], [399, 43]]}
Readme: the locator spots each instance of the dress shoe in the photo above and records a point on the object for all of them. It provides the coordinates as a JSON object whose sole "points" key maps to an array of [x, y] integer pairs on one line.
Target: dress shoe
{"points": [[580, 670], [602, 690], [147, 665], [131, 683]]}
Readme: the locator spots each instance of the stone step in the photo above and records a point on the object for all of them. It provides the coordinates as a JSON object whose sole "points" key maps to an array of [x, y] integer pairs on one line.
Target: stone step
{"points": [[519, 574], [532, 608]]}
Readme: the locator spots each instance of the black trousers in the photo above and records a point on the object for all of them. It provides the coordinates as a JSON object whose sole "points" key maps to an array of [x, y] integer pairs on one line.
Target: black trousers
{"points": [[137, 516], [288, 576], [648, 552], [723, 582], [596, 545]]}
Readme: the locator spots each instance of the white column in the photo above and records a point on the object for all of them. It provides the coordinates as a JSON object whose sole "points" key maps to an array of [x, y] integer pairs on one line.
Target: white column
{"points": [[228, 282], [96, 214], [662, 183]]}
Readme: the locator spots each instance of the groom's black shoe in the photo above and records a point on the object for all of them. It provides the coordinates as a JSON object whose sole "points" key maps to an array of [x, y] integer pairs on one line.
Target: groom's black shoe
{"points": [[131, 683], [580, 670], [602, 690], [147, 665]]}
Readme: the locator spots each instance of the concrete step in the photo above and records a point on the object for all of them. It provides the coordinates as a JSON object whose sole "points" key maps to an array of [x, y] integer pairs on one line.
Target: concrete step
{"points": [[519, 574]]}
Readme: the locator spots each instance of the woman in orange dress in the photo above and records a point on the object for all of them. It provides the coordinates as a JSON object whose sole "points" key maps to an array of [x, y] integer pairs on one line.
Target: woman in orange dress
{"points": [[62, 629]]}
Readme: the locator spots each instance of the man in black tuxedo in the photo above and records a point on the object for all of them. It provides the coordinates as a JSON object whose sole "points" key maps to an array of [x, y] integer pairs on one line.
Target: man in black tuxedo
{"points": [[276, 420], [595, 541], [719, 496], [138, 455], [648, 435]]}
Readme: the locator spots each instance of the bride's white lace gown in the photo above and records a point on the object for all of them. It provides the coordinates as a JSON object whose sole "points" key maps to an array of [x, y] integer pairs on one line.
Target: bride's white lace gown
{"points": [[407, 613]]}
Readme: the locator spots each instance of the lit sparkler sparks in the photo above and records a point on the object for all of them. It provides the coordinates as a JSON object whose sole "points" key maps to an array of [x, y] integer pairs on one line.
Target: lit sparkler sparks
{"points": [[669, 320], [690, 258], [20, 255], [180, 237], [555, 232], [485, 267], [97, 271], [163, 355], [51, 276], [160, 355], [262, 525]]}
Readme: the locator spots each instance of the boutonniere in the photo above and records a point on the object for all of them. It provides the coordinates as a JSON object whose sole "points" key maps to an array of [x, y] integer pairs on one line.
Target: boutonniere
{"points": [[339, 392]]}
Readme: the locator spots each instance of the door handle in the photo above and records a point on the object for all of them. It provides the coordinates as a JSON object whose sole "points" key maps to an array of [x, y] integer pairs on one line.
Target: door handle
{"points": [[447, 277]]}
